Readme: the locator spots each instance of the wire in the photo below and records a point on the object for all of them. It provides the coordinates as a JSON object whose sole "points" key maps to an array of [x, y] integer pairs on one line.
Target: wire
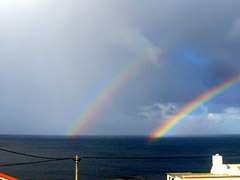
{"points": [[97, 157], [28, 155], [116, 157], [34, 162], [50, 159], [143, 158]]}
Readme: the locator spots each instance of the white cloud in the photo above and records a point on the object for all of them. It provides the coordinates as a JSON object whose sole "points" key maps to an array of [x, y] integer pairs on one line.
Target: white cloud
{"points": [[232, 111], [158, 111], [227, 114], [214, 117], [202, 122]]}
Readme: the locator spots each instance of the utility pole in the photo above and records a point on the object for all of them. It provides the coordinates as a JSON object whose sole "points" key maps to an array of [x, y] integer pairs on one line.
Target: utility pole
{"points": [[76, 159]]}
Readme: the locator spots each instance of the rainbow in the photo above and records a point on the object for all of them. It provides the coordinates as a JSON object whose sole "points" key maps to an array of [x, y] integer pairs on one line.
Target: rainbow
{"points": [[192, 106], [106, 94]]}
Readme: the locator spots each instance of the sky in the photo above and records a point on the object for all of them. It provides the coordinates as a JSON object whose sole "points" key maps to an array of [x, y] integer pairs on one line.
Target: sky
{"points": [[58, 57]]}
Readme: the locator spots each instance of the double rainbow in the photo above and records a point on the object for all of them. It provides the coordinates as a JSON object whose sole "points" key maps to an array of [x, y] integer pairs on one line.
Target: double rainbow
{"points": [[192, 106]]}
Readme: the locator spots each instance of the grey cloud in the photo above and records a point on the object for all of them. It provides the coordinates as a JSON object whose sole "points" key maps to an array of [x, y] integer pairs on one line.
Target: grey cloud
{"points": [[55, 57], [234, 30], [159, 112]]}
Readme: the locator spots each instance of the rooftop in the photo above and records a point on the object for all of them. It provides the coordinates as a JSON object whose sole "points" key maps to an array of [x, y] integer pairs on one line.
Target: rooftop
{"points": [[189, 175], [6, 177]]}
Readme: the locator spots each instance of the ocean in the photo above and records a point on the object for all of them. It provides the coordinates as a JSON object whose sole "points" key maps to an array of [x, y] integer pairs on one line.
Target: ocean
{"points": [[94, 146]]}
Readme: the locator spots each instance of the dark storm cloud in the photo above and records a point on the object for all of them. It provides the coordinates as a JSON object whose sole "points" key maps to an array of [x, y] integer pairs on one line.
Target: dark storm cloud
{"points": [[200, 39], [56, 57]]}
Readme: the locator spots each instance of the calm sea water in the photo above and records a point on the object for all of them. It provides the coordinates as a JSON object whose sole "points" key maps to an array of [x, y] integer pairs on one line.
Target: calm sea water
{"points": [[92, 169]]}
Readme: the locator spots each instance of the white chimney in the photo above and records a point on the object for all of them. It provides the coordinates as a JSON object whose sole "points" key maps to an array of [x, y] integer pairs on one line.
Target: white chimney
{"points": [[217, 160], [217, 165]]}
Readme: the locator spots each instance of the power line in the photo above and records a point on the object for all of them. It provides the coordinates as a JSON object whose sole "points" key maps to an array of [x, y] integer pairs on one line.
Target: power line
{"points": [[143, 157], [28, 155], [104, 158], [114, 157], [34, 162], [51, 159]]}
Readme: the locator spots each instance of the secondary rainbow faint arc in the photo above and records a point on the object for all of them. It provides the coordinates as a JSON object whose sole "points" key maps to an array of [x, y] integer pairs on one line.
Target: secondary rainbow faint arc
{"points": [[192, 106], [100, 101]]}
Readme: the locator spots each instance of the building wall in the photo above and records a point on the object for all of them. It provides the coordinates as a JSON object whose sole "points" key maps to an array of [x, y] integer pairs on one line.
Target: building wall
{"points": [[178, 178]]}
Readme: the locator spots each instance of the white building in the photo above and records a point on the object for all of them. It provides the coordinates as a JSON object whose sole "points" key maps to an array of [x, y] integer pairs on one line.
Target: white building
{"points": [[218, 171]]}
